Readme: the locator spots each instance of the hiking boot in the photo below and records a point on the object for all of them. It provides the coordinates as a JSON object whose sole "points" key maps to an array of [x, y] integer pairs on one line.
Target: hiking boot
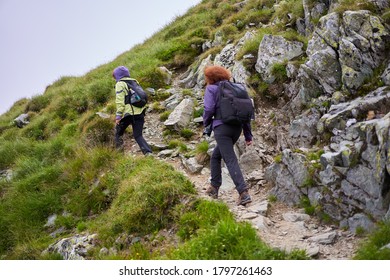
{"points": [[212, 192], [244, 198]]}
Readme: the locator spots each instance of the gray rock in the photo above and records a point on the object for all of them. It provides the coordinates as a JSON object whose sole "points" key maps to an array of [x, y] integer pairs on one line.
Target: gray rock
{"points": [[103, 115], [313, 251], [191, 165], [6, 174], [260, 208], [226, 57], [73, 248], [22, 120], [273, 50], [324, 238], [295, 217], [261, 223], [283, 184], [324, 66], [249, 216], [51, 220], [250, 161], [195, 78], [181, 115], [386, 76], [303, 130], [167, 75], [385, 247], [376, 100], [360, 221], [239, 72], [165, 153]]}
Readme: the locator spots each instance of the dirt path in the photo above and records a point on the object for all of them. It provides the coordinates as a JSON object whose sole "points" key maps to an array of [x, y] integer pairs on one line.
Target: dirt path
{"points": [[281, 226], [278, 225]]}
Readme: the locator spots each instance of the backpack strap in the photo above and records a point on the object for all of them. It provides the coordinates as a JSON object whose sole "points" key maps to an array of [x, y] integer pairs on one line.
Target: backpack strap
{"points": [[218, 114]]}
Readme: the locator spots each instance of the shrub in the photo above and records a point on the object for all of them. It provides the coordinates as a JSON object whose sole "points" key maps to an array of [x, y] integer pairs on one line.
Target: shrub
{"points": [[36, 129], [153, 78], [12, 150], [37, 103], [186, 133], [98, 132], [100, 91], [259, 16]]}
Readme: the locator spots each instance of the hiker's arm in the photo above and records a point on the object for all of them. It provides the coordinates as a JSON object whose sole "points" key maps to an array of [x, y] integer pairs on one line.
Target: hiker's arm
{"points": [[120, 100], [246, 127], [209, 107]]}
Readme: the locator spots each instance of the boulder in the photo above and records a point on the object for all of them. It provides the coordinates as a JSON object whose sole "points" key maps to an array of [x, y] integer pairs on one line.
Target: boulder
{"points": [[274, 50], [181, 116]]}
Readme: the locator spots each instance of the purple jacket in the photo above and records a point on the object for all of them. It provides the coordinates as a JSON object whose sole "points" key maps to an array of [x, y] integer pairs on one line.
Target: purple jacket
{"points": [[211, 101]]}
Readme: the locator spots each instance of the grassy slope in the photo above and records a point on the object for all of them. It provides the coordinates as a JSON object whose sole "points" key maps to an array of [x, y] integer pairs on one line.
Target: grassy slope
{"points": [[63, 161]]}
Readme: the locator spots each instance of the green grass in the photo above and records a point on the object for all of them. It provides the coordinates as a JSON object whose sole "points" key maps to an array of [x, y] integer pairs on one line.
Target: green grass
{"points": [[213, 234], [145, 199], [372, 247], [354, 5]]}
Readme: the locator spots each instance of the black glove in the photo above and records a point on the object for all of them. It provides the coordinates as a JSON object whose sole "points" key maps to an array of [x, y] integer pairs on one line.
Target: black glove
{"points": [[207, 130]]}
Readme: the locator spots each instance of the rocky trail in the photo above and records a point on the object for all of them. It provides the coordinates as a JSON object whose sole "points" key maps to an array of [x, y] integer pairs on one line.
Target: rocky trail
{"points": [[277, 224]]}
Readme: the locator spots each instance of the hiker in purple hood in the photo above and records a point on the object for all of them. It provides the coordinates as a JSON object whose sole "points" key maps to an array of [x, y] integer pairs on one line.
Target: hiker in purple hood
{"points": [[127, 114], [226, 136]]}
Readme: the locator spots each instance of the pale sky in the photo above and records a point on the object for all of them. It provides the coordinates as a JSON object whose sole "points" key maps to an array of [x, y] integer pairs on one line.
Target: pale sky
{"points": [[43, 40]]}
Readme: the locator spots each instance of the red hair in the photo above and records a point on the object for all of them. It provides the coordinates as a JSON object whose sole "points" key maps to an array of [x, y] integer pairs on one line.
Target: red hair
{"points": [[215, 74]]}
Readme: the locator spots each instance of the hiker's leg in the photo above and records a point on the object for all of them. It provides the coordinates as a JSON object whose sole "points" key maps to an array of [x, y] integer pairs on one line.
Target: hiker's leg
{"points": [[215, 168], [120, 129], [226, 136], [138, 126]]}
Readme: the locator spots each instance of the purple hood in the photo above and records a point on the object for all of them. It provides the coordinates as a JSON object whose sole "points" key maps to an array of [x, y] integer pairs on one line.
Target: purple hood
{"points": [[120, 72]]}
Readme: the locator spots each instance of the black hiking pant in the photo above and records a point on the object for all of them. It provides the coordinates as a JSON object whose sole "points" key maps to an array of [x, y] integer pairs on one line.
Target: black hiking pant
{"points": [[226, 136], [137, 123]]}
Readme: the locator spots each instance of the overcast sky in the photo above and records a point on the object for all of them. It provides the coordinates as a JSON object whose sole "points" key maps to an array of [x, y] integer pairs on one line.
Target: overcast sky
{"points": [[43, 40]]}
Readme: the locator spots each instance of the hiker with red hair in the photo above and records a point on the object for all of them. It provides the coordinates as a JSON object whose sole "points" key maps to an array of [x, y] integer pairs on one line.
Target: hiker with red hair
{"points": [[226, 136]]}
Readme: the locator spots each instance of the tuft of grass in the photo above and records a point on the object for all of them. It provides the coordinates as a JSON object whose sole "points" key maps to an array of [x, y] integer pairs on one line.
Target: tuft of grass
{"points": [[305, 204], [354, 5], [373, 247], [186, 133], [164, 116], [145, 200], [37, 103], [278, 158], [211, 232], [175, 143], [97, 131], [279, 71], [202, 147], [287, 12], [386, 16], [252, 46]]}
